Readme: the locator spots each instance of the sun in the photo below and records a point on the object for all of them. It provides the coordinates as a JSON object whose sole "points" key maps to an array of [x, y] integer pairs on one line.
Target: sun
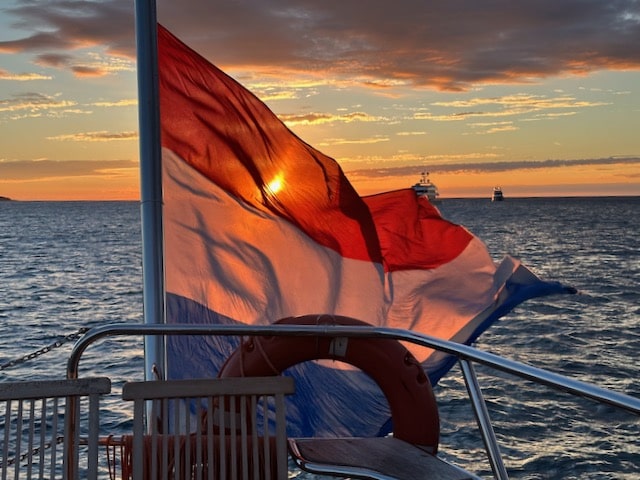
{"points": [[275, 185]]}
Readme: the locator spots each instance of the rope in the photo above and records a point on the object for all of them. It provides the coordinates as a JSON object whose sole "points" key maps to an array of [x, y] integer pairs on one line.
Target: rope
{"points": [[42, 351], [113, 446], [249, 457], [256, 342], [265, 357]]}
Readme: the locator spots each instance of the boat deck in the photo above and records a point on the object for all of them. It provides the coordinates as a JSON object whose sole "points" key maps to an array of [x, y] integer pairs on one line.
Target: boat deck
{"points": [[377, 458], [41, 417], [221, 445]]}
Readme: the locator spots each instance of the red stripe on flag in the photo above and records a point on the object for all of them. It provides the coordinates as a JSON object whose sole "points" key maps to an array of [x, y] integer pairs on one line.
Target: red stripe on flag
{"points": [[412, 233], [229, 136]]}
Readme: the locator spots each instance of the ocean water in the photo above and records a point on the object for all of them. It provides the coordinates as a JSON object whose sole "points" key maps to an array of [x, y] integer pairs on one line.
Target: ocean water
{"points": [[65, 266], [591, 244]]}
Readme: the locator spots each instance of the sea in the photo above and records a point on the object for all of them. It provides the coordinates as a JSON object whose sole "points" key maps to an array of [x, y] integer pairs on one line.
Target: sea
{"points": [[67, 266]]}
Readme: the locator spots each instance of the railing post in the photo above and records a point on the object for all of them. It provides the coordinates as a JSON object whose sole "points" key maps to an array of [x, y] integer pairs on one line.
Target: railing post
{"points": [[484, 421], [71, 439]]}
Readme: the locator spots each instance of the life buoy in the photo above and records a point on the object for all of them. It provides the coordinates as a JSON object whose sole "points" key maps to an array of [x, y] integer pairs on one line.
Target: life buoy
{"points": [[395, 370]]}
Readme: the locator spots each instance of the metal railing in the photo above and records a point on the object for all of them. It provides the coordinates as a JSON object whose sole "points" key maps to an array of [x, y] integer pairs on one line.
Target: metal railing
{"points": [[465, 355]]}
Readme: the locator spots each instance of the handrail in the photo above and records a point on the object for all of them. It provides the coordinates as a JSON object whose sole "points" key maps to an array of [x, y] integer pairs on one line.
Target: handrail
{"points": [[483, 419], [465, 355], [538, 375]]}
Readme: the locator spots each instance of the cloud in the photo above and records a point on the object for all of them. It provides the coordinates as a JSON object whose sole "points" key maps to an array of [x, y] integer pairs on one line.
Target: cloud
{"points": [[96, 136], [483, 128], [32, 170], [509, 105], [411, 134], [521, 102], [358, 141], [443, 45], [319, 118], [65, 25], [56, 60], [22, 77], [37, 41], [89, 65], [489, 166], [65, 32], [33, 103], [128, 102], [87, 71]]}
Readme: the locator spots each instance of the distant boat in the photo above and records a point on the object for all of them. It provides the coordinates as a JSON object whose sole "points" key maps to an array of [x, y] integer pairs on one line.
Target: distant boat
{"points": [[426, 188], [497, 195]]}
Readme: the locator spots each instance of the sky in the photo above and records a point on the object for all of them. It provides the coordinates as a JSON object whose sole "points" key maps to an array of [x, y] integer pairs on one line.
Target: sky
{"points": [[541, 97]]}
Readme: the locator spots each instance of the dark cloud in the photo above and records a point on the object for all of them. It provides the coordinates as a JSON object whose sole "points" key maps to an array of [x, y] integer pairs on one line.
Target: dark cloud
{"points": [[86, 71], [72, 24], [487, 167], [446, 45], [56, 60], [37, 41]]}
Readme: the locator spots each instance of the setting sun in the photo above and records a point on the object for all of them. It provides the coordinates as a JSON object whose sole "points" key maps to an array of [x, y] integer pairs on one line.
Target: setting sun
{"points": [[275, 185]]}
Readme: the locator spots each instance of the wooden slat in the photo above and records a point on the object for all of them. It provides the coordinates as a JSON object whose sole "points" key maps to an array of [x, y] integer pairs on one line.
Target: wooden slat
{"points": [[226, 443], [375, 458], [208, 387], [54, 388]]}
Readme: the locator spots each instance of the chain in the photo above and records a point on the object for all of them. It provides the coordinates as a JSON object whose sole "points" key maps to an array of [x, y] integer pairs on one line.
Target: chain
{"points": [[42, 351], [34, 452]]}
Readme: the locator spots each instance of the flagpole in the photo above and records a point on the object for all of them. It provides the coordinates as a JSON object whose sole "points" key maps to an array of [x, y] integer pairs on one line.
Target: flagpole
{"points": [[150, 185]]}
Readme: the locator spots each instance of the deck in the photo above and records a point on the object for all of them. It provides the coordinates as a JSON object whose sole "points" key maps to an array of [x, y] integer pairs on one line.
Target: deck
{"points": [[219, 438], [52, 428]]}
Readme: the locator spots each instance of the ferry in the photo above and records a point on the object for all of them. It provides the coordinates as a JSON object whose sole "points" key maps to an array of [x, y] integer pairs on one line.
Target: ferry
{"points": [[425, 187], [497, 195]]}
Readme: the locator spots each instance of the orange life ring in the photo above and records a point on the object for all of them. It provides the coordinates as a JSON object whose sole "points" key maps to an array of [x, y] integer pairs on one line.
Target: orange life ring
{"points": [[395, 370]]}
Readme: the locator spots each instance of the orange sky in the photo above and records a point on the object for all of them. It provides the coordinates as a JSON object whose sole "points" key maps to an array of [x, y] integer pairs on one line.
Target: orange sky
{"points": [[530, 96]]}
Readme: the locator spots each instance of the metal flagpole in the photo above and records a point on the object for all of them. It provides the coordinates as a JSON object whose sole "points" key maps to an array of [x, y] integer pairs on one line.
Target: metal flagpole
{"points": [[150, 185]]}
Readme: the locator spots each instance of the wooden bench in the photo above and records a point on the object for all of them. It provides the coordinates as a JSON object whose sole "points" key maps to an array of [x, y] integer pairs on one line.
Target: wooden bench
{"points": [[31, 414], [382, 458], [210, 428]]}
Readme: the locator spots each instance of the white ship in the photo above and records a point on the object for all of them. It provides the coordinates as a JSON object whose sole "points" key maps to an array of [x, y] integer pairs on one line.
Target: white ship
{"points": [[426, 188]]}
